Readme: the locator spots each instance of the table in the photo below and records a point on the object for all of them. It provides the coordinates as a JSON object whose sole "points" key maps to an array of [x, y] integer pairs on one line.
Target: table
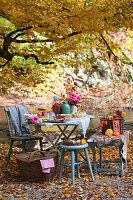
{"points": [[99, 140], [71, 122]]}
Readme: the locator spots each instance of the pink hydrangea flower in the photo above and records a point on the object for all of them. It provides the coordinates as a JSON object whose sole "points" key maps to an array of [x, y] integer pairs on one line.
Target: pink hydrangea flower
{"points": [[78, 98], [74, 98], [35, 119]]}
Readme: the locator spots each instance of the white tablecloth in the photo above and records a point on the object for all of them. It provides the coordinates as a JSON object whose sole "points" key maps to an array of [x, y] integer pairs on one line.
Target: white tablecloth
{"points": [[84, 121]]}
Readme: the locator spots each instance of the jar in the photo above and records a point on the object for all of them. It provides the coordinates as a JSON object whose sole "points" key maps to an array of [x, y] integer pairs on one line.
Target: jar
{"points": [[57, 108], [56, 105], [65, 108]]}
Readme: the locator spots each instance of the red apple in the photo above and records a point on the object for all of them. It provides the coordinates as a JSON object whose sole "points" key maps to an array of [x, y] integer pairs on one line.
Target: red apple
{"points": [[115, 116], [43, 113], [39, 114]]}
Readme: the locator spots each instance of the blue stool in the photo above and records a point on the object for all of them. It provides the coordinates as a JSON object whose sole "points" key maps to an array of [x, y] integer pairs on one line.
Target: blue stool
{"points": [[74, 149]]}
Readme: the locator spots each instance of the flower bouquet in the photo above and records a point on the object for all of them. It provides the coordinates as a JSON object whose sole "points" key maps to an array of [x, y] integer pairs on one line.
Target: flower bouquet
{"points": [[74, 100], [72, 97]]}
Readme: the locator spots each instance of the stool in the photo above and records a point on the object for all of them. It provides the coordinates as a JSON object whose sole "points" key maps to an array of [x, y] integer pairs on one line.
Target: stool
{"points": [[75, 149]]}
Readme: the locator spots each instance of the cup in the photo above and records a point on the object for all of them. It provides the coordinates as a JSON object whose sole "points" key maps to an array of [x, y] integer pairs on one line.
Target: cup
{"points": [[46, 115], [51, 115]]}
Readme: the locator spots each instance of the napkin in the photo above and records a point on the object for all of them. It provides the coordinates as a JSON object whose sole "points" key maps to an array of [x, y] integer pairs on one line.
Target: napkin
{"points": [[47, 164]]}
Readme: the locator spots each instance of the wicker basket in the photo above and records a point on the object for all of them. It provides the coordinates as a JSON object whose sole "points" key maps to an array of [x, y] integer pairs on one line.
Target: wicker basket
{"points": [[30, 167], [110, 124]]}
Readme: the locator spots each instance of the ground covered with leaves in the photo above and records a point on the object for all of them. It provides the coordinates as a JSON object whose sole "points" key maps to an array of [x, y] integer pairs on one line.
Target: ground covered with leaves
{"points": [[107, 185]]}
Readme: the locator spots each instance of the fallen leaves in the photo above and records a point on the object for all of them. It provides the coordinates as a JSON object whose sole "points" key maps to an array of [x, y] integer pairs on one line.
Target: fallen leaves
{"points": [[107, 185]]}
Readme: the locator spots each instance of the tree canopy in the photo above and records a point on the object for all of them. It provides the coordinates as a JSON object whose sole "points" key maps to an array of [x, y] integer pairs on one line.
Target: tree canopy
{"points": [[48, 31], [61, 20]]}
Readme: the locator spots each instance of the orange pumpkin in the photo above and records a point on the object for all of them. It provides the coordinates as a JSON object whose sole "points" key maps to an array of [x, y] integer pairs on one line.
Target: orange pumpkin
{"points": [[83, 141], [116, 133], [109, 132]]}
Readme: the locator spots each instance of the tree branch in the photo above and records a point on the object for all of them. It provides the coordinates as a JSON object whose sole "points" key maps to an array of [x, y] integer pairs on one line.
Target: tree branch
{"points": [[108, 47], [4, 63], [73, 33], [13, 37], [37, 60], [3, 14]]}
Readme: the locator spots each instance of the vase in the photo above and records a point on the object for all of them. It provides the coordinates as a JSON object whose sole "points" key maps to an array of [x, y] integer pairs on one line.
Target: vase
{"points": [[73, 109], [65, 108]]}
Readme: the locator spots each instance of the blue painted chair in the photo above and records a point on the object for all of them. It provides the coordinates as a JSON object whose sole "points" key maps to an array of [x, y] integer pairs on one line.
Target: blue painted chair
{"points": [[15, 137], [74, 150]]}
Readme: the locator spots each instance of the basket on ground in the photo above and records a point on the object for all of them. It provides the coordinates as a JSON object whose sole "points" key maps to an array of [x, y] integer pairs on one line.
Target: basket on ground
{"points": [[30, 166]]}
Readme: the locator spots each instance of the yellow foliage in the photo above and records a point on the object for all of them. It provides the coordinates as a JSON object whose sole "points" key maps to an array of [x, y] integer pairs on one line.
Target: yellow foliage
{"points": [[64, 24], [64, 16]]}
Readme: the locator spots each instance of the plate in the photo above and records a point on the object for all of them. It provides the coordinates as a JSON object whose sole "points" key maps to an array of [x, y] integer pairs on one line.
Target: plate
{"points": [[54, 121], [83, 114]]}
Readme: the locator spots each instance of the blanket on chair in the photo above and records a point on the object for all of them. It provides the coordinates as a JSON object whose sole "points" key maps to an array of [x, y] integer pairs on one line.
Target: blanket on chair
{"points": [[17, 116]]}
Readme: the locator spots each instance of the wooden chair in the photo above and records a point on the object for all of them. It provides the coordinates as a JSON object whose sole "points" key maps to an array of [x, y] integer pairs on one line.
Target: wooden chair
{"points": [[15, 137]]}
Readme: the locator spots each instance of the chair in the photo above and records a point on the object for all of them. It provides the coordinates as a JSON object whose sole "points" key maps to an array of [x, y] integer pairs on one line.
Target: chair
{"points": [[75, 149], [18, 132]]}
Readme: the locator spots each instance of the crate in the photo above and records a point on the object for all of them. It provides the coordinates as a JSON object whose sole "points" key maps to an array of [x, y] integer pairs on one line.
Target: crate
{"points": [[110, 124], [30, 167]]}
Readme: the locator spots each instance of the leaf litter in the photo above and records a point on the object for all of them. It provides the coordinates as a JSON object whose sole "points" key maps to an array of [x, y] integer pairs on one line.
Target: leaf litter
{"points": [[107, 185]]}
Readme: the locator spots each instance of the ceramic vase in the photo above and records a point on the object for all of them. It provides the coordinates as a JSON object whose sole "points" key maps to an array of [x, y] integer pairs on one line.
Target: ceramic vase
{"points": [[65, 108], [73, 109]]}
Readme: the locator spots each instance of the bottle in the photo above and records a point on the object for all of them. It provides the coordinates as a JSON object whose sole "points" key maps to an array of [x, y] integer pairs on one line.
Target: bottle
{"points": [[65, 108]]}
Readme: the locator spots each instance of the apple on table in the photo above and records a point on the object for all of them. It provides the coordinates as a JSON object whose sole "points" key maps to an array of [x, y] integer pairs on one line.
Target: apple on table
{"points": [[43, 113], [39, 114]]}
